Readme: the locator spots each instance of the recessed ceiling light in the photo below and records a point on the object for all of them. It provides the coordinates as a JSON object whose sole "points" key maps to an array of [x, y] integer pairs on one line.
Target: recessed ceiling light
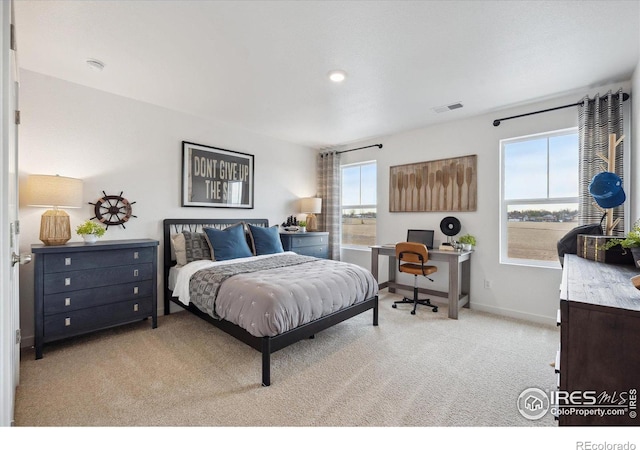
{"points": [[337, 76], [94, 64]]}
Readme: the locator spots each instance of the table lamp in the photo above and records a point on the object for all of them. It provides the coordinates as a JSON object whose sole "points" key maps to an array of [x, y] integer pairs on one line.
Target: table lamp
{"points": [[54, 191], [311, 206]]}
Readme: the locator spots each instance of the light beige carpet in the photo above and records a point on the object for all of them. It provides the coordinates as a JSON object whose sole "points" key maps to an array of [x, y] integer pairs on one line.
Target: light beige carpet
{"points": [[422, 370]]}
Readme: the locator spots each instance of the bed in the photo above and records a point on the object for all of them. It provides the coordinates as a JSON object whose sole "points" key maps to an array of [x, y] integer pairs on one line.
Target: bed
{"points": [[295, 309]]}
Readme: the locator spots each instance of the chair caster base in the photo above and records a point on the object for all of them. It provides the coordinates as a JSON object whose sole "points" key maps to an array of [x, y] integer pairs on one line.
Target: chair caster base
{"points": [[424, 302]]}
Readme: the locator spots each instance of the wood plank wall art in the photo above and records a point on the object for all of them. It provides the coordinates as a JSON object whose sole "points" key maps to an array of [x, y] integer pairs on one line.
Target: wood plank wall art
{"points": [[442, 185]]}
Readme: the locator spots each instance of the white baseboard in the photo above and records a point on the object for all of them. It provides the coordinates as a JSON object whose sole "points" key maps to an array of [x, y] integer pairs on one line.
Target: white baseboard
{"points": [[514, 314], [27, 342], [536, 318]]}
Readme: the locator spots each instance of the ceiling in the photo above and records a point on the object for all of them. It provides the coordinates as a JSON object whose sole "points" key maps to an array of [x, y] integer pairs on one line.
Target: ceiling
{"points": [[262, 66]]}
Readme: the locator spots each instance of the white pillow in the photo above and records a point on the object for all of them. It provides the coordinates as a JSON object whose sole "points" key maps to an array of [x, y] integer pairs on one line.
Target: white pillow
{"points": [[178, 249]]}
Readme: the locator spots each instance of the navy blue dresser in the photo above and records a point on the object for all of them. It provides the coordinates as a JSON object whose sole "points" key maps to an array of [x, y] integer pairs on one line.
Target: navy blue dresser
{"points": [[311, 243], [81, 287]]}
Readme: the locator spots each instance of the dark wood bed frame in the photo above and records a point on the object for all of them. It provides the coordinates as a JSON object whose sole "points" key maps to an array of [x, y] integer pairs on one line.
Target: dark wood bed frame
{"points": [[266, 345]]}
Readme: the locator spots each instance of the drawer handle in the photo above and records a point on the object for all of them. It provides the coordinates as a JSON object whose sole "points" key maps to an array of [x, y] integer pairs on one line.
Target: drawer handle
{"points": [[135, 290], [135, 255], [67, 261], [67, 281], [67, 301], [135, 307], [135, 272], [67, 321]]}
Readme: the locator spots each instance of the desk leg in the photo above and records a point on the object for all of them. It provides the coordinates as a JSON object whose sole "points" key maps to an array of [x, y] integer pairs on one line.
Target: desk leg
{"points": [[466, 281], [392, 273], [375, 267], [454, 292], [374, 262]]}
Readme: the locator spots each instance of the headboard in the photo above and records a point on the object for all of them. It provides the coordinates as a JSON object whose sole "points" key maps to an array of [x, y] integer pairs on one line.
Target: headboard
{"points": [[174, 226]]}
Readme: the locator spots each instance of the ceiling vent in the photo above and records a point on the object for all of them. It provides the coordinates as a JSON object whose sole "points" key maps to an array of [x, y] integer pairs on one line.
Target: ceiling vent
{"points": [[445, 108]]}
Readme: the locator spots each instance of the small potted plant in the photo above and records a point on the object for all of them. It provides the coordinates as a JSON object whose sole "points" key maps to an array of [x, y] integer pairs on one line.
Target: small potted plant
{"points": [[468, 241], [90, 231], [630, 241], [303, 226]]}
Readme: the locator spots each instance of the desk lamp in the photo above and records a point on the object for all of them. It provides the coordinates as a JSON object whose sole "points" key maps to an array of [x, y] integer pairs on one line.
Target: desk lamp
{"points": [[54, 191]]}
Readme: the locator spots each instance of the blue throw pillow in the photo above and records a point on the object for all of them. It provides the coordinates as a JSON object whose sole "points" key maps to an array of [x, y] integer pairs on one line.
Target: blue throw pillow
{"points": [[265, 240], [229, 243]]}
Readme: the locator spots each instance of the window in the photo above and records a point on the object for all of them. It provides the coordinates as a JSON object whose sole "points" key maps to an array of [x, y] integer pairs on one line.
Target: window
{"points": [[359, 204], [539, 196]]}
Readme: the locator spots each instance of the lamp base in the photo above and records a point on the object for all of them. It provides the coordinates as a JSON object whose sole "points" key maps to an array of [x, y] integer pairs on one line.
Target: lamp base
{"points": [[312, 222], [55, 228]]}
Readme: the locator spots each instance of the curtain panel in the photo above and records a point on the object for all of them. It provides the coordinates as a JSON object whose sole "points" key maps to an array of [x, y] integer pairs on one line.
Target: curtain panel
{"points": [[597, 118], [328, 177]]}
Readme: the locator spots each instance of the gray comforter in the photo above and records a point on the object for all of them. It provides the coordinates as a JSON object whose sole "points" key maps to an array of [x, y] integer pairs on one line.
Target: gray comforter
{"points": [[269, 296]]}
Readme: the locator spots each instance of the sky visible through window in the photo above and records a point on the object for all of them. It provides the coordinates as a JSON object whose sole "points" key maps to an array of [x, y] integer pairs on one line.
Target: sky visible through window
{"points": [[355, 177], [527, 164]]}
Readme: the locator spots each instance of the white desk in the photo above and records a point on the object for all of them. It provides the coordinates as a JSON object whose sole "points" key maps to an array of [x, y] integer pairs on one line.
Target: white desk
{"points": [[459, 275]]}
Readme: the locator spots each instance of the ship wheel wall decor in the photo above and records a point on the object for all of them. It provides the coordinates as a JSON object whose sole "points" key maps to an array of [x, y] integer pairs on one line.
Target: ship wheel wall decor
{"points": [[112, 210]]}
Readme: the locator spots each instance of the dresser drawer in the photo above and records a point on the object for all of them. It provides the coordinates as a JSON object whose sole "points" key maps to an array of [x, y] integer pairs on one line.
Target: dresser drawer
{"points": [[308, 241], [63, 302], [58, 326], [66, 262], [318, 251], [85, 279]]}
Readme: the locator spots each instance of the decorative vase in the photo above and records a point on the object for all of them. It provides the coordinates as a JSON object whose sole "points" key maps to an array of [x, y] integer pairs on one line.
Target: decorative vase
{"points": [[466, 247], [303, 229], [90, 238], [635, 251]]}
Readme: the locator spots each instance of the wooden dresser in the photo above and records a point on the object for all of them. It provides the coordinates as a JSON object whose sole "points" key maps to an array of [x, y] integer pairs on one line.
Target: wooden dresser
{"points": [[600, 340], [81, 287], [311, 243]]}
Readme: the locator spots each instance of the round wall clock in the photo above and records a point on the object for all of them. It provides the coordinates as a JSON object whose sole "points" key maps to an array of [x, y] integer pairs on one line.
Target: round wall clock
{"points": [[112, 209]]}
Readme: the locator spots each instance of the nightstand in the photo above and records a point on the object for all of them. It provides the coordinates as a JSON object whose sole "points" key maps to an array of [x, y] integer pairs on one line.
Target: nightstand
{"points": [[80, 288], [311, 243]]}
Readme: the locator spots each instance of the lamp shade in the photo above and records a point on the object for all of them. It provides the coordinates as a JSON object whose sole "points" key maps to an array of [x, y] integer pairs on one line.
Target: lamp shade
{"points": [[54, 191], [311, 205]]}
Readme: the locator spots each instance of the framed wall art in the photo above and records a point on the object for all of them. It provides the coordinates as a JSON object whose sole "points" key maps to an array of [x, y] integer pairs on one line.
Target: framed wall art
{"points": [[442, 185], [215, 177]]}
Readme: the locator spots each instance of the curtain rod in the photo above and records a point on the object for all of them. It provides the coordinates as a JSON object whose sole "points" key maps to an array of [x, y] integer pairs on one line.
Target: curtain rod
{"points": [[359, 148], [496, 122]]}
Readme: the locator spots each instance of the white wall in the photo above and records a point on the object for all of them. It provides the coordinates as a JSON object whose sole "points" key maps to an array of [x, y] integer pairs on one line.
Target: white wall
{"points": [[521, 292], [117, 144]]}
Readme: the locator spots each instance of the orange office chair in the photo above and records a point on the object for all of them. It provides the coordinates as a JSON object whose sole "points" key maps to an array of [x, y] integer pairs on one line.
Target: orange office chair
{"points": [[412, 258]]}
